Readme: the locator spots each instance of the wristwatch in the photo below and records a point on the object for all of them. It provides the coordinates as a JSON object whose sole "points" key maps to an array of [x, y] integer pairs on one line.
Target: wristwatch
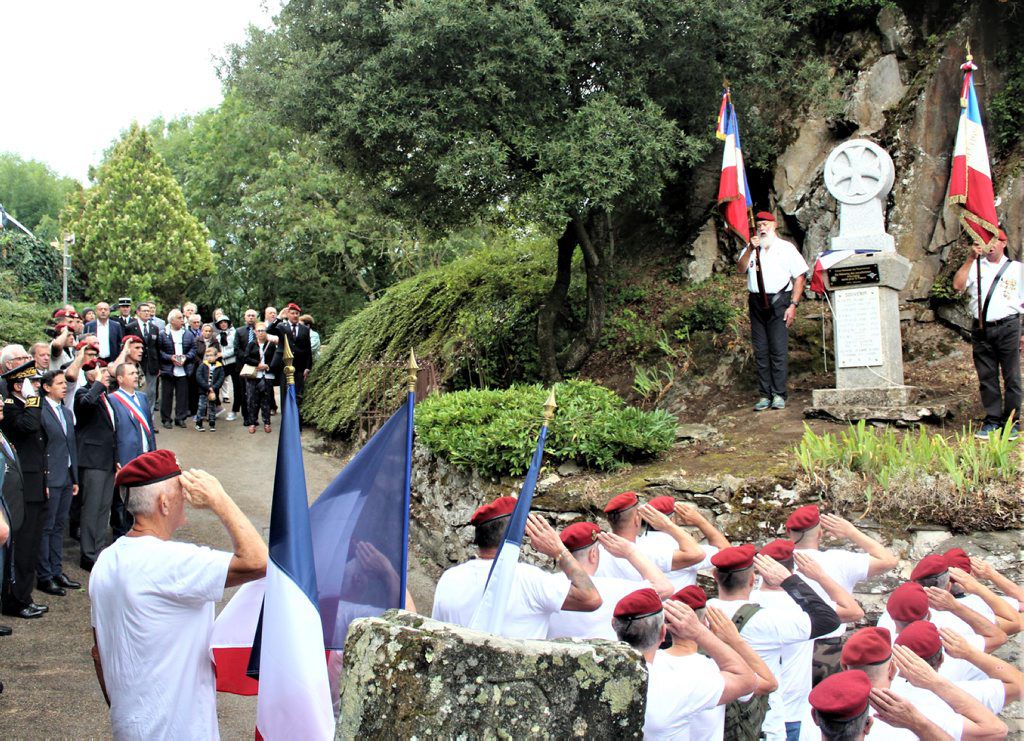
{"points": [[794, 304]]}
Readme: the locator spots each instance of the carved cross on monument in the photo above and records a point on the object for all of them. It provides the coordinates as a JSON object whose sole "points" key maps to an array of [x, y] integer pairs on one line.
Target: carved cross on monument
{"points": [[860, 174]]}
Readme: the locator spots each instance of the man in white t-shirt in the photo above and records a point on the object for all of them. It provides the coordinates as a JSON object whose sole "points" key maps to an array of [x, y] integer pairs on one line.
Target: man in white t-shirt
{"points": [[535, 594], [678, 688], [586, 543], [153, 602], [626, 516], [776, 273], [995, 334], [769, 629], [685, 514], [804, 527]]}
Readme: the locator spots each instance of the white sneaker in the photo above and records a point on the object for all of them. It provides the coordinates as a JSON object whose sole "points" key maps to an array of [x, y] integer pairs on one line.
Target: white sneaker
{"points": [[231, 417]]}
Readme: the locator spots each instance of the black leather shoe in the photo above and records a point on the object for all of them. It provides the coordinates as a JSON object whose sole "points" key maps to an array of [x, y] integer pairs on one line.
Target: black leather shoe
{"points": [[180, 423], [41, 608], [28, 613], [5, 630], [50, 586], [63, 581]]}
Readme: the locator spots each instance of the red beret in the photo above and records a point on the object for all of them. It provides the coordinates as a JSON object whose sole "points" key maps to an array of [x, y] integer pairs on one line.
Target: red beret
{"points": [[804, 518], [665, 505], [693, 596], [293, 305], [131, 338], [736, 558], [957, 558], [579, 535], [622, 501], [1002, 236], [867, 646], [929, 566], [500, 507], [842, 696], [639, 604], [87, 343], [764, 216], [148, 468], [922, 638], [58, 328], [780, 549], [908, 602]]}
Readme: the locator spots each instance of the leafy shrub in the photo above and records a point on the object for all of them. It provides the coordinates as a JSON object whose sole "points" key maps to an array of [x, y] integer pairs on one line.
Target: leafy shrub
{"points": [[22, 322], [495, 432], [36, 266], [474, 318]]}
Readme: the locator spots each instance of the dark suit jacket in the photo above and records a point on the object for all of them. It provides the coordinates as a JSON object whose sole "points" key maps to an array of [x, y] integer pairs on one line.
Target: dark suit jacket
{"points": [[151, 345], [129, 432], [272, 358], [188, 349], [13, 489], [302, 350], [23, 427], [116, 335], [61, 446], [94, 428], [241, 343]]}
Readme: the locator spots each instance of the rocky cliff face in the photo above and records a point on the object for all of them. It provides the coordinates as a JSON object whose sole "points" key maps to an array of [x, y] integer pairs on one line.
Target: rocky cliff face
{"points": [[902, 92]]}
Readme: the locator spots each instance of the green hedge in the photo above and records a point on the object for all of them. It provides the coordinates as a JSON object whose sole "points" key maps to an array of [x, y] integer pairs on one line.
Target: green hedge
{"points": [[474, 318], [22, 322], [495, 432]]}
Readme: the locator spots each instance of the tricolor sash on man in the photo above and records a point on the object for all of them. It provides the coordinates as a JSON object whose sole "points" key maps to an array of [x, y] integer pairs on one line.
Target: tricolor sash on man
{"points": [[490, 612], [733, 190], [970, 184]]}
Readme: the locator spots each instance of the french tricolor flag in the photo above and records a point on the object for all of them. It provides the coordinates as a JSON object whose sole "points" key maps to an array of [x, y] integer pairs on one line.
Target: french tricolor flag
{"points": [[287, 654], [733, 191], [970, 185]]}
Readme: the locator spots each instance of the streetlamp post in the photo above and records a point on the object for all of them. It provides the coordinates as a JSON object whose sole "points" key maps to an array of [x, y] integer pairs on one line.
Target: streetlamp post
{"points": [[69, 241]]}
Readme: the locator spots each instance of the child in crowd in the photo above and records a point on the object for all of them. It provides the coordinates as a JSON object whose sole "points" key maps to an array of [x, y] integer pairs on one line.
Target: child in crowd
{"points": [[209, 377]]}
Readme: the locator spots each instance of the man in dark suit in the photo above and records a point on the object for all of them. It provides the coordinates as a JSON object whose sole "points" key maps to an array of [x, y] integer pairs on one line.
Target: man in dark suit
{"points": [[96, 461], [261, 354], [22, 426], [298, 338], [145, 327], [243, 336], [177, 361], [109, 332], [61, 482], [12, 515], [133, 423]]}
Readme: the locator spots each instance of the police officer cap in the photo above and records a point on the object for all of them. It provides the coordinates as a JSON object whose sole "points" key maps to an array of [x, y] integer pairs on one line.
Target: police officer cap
{"points": [[124, 301], [23, 371]]}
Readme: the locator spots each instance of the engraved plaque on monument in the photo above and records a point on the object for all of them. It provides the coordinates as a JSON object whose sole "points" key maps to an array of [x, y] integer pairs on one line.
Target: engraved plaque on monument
{"points": [[858, 328]]}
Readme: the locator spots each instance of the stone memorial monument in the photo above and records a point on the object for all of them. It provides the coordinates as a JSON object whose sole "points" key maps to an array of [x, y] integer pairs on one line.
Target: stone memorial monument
{"points": [[863, 291]]}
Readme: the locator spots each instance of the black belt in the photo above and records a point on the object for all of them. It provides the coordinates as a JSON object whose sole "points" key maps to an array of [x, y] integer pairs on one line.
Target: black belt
{"points": [[997, 322]]}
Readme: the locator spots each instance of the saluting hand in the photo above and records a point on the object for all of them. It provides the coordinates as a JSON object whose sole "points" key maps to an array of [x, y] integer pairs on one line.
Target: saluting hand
{"points": [[688, 514], [965, 580], [954, 644], [543, 536], [894, 710], [913, 668], [616, 545], [838, 527], [722, 626], [770, 570], [940, 599], [807, 566], [980, 566], [681, 620], [653, 517], [200, 488]]}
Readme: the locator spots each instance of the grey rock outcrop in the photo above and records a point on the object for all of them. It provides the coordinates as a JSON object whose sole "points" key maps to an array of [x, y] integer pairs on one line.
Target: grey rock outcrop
{"points": [[407, 676]]}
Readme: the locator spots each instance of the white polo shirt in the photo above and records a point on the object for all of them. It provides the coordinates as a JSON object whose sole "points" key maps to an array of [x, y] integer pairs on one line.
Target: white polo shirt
{"points": [[681, 577], [956, 670], [847, 569], [596, 624], [1009, 293], [535, 596], [781, 262], [795, 671], [678, 689], [659, 552]]}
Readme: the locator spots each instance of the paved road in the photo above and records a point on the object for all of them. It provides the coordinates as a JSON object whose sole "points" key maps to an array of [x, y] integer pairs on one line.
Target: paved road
{"points": [[50, 686]]}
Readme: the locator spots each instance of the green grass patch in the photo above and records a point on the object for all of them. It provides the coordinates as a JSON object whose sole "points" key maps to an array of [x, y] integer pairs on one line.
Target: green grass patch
{"points": [[495, 431]]}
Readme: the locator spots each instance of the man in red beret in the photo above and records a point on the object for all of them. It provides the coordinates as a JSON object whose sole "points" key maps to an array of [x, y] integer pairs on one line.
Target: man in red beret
{"points": [[299, 339], [626, 516], [995, 336], [805, 527], [840, 705], [797, 659], [587, 544], [776, 273], [153, 602], [1012, 593], [679, 688], [769, 629], [687, 515], [536, 594]]}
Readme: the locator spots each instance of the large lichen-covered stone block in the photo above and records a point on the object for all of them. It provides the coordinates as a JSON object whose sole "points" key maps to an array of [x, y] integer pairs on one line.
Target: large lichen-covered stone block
{"points": [[407, 676]]}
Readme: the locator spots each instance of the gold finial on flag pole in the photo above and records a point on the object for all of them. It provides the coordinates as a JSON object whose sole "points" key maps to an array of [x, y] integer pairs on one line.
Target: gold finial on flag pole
{"points": [[413, 370], [970, 57], [289, 367], [549, 407]]}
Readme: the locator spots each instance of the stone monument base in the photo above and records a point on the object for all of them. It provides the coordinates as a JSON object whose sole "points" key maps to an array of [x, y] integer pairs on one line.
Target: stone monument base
{"points": [[897, 404]]}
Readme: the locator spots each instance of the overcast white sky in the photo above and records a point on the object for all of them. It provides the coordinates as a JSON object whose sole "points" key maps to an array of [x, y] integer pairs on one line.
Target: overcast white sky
{"points": [[75, 73]]}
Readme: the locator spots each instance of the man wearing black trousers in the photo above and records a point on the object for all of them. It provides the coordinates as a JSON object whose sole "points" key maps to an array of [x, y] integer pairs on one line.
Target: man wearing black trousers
{"points": [[96, 461], [776, 273], [995, 338], [243, 336], [177, 359]]}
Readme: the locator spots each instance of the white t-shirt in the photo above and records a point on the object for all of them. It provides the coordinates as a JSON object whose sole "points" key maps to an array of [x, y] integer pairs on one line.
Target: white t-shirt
{"points": [[681, 577], [678, 688], [781, 262], [659, 553], [795, 672], [956, 670], [596, 624], [979, 605], [152, 609], [1009, 293], [536, 594], [847, 569], [768, 632]]}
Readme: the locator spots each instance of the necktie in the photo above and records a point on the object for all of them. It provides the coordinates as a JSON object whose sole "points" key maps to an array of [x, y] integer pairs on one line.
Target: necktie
{"points": [[252, 334], [760, 279], [295, 331]]}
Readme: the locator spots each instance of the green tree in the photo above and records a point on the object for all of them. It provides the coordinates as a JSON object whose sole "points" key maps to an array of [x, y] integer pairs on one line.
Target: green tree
{"points": [[34, 194], [134, 233]]}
